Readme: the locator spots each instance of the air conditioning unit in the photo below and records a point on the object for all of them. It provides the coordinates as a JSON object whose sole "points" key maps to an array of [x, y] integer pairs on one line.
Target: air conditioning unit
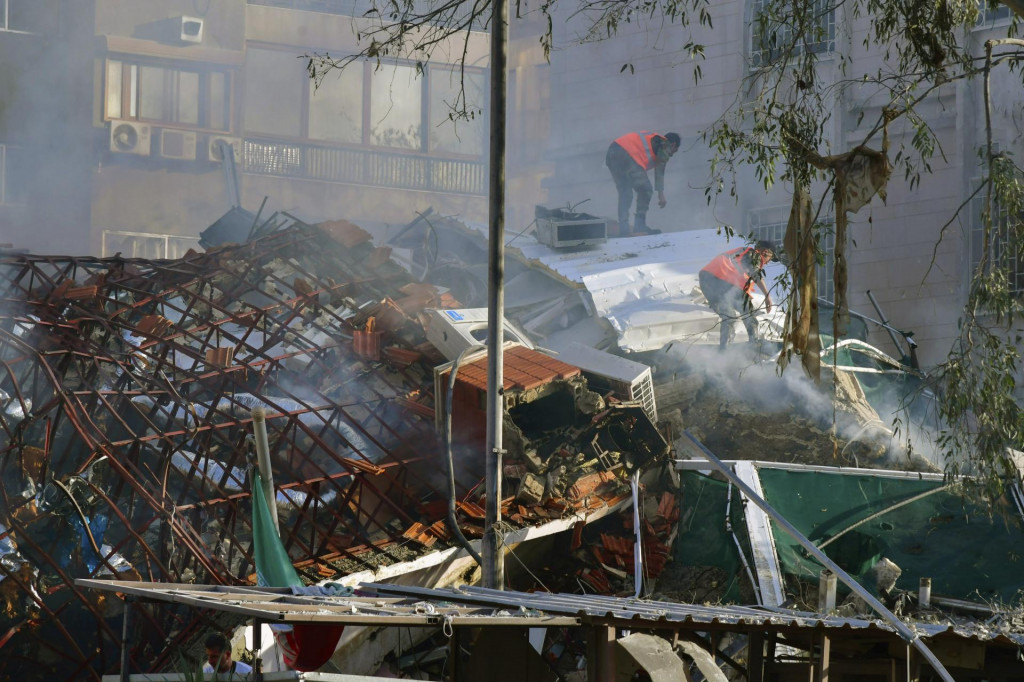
{"points": [[129, 137], [560, 234], [215, 147], [629, 380], [177, 144], [453, 331], [191, 30]]}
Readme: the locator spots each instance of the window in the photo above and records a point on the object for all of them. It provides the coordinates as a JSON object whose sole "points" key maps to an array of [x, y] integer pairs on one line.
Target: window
{"points": [[30, 16], [772, 30], [274, 83], [763, 227], [336, 107], [988, 15], [14, 165], [1003, 250], [162, 93], [146, 245], [396, 105], [461, 136], [391, 106]]}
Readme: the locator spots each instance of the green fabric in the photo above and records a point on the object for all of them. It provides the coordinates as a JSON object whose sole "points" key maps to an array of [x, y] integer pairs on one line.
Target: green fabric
{"points": [[966, 554], [273, 566], [703, 538]]}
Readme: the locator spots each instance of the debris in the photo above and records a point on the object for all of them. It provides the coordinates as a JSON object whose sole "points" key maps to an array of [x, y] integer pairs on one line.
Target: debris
{"points": [[531, 490]]}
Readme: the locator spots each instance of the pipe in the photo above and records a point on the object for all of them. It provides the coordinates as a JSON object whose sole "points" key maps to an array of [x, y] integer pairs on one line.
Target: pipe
{"points": [[905, 632], [638, 554], [826, 591], [739, 549], [259, 430], [453, 525], [494, 567], [128, 599]]}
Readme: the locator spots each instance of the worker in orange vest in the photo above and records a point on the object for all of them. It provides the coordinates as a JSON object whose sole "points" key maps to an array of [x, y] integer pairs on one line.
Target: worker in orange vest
{"points": [[629, 158], [727, 282]]}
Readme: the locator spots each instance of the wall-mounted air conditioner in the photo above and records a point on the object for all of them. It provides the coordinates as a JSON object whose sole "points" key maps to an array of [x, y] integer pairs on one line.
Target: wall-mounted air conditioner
{"points": [[178, 144], [453, 331], [129, 137], [629, 380], [191, 30], [216, 144]]}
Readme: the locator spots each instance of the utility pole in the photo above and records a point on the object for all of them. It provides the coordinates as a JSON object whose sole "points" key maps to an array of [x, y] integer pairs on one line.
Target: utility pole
{"points": [[494, 565]]}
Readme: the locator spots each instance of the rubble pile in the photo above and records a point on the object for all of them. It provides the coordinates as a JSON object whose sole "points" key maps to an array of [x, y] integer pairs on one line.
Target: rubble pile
{"points": [[750, 419], [126, 392], [612, 561]]}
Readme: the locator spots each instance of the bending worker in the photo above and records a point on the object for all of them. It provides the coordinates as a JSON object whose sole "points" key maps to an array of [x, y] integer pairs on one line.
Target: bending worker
{"points": [[727, 282], [218, 659], [629, 158]]}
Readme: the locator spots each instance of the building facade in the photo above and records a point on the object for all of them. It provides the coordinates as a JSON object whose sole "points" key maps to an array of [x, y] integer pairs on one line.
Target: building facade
{"points": [[120, 114]]}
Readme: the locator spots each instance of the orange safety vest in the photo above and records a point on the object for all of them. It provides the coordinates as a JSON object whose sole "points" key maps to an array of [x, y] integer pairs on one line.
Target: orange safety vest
{"points": [[640, 147], [725, 266]]}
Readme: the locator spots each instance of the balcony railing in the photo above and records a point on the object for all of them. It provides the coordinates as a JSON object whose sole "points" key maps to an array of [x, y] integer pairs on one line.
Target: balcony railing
{"points": [[348, 7], [364, 167]]}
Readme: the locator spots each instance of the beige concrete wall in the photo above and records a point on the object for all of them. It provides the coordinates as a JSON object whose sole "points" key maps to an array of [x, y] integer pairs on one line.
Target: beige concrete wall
{"points": [[223, 20], [337, 34]]}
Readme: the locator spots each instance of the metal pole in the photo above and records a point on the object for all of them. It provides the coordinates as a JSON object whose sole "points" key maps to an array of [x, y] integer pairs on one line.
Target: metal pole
{"points": [[124, 639], [905, 632], [896, 338], [638, 554], [257, 647], [494, 568], [259, 430]]}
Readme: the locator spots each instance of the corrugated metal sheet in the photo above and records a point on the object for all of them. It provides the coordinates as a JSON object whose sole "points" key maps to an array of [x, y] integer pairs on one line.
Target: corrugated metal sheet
{"points": [[590, 607]]}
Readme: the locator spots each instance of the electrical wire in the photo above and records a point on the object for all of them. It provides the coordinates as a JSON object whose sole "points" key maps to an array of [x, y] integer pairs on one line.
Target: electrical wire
{"points": [[453, 524]]}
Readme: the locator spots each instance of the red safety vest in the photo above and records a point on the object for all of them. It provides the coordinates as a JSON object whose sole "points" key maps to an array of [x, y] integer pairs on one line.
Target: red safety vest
{"points": [[725, 266], [640, 147]]}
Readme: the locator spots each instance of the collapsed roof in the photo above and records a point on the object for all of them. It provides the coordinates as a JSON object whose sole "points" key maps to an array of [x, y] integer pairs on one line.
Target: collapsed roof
{"points": [[126, 390]]}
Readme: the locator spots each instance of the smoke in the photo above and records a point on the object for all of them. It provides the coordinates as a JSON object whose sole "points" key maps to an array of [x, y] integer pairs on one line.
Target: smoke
{"points": [[890, 431]]}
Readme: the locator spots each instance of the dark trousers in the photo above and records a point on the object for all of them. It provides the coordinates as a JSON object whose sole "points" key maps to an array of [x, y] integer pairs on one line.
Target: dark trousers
{"points": [[731, 304], [629, 177]]}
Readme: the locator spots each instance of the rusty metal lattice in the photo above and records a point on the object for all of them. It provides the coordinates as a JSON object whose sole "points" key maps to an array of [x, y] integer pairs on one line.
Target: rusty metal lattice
{"points": [[125, 394]]}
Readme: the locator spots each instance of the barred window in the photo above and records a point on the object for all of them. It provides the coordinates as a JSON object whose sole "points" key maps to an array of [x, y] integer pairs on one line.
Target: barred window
{"points": [[990, 14], [1004, 251], [772, 30], [764, 224]]}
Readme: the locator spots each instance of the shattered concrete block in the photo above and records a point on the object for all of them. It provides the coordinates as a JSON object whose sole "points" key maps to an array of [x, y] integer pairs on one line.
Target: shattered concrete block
{"points": [[531, 490], [533, 462], [885, 574], [590, 402]]}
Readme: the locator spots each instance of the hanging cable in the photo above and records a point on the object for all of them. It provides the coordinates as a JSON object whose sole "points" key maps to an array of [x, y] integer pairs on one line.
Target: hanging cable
{"points": [[453, 524]]}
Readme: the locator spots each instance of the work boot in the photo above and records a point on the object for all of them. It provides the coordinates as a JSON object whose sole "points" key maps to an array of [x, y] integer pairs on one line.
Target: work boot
{"points": [[641, 229]]}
